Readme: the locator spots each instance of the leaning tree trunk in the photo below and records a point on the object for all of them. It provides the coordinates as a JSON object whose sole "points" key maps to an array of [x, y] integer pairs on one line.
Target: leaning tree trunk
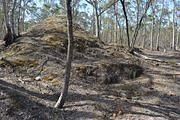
{"points": [[127, 22], [64, 92], [139, 22]]}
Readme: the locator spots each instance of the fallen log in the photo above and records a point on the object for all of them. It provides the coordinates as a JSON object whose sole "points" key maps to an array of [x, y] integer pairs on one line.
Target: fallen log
{"points": [[142, 55]]}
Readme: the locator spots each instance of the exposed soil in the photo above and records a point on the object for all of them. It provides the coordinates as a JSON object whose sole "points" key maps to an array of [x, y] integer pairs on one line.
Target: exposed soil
{"points": [[106, 82]]}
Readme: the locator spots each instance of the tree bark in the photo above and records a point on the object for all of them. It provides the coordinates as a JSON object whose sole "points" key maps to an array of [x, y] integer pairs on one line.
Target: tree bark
{"points": [[93, 23], [19, 17], [64, 92], [115, 21], [12, 18], [177, 41], [97, 20], [152, 30], [127, 22], [152, 34], [5, 13], [174, 26], [159, 29], [144, 37], [138, 26]]}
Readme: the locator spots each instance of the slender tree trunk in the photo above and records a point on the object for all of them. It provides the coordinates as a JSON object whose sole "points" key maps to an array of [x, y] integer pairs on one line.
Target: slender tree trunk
{"points": [[115, 22], [97, 21], [19, 17], [112, 36], [174, 27], [177, 41], [5, 12], [23, 15], [22, 20], [173, 39], [138, 26], [93, 23], [152, 30], [152, 27], [144, 37], [64, 92], [159, 29], [127, 22], [12, 18], [100, 24], [157, 40], [120, 35], [108, 32]]}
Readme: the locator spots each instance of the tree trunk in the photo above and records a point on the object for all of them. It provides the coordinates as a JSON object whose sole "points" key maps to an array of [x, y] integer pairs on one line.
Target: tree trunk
{"points": [[22, 20], [152, 28], [127, 24], [116, 20], [152, 34], [159, 29], [144, 37], [19, 17], [138, 26], [12, 18], [120, 33], [97, 21], [93, 23], [64, 92], [5, 13], [157, 40], [177, 41], [174, 26]]}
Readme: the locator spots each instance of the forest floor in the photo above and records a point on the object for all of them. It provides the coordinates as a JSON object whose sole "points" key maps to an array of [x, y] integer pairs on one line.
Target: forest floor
{"points": [[106, 82]]}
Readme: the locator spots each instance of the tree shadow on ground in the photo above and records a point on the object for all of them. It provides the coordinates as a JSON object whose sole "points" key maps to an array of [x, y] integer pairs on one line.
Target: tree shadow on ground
{"points": [[156, 110], [39, 111], [23, 107], [168, 106], [165, 109]]}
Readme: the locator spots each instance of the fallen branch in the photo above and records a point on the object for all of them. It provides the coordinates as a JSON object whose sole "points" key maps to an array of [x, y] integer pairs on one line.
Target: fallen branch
{"points": [[141, 55], [42, 66]]}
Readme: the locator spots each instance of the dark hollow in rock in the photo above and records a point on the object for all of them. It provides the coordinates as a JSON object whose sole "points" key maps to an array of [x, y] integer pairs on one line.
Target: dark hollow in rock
{"points": [[118, 72], [109, 73]]}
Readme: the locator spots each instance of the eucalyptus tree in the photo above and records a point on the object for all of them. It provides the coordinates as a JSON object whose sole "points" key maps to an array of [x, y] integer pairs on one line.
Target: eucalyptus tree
{"points": [[131, 42], [115, 21], [159, 25], [100, 6], [12, 18], [174, 25], [5, 11], [152, 18]]}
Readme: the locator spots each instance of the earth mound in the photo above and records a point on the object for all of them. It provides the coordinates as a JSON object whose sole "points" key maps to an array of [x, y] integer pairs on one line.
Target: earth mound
{"points": [[41, 51], [33, 70]]}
